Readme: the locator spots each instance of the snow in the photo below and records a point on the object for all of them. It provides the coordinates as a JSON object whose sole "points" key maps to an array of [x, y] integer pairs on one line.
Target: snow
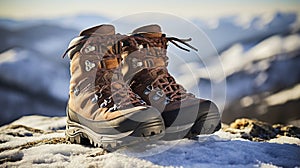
{"points": [[8, 56], [248, 45], [221, 149], [233, 29], [42, 122], [291, 43], [270, 47], [236, 153]]}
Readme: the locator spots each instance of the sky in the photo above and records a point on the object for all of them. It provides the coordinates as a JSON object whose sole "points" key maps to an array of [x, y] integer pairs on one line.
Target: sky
{"points": [[20, 9]]}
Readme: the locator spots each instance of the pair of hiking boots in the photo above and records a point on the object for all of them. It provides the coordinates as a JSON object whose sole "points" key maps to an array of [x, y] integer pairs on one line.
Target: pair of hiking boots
{"points": [[121, 92]]}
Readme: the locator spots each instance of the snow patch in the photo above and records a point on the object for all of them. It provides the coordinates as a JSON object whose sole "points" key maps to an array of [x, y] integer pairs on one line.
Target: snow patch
{"points": [[221, 149]]}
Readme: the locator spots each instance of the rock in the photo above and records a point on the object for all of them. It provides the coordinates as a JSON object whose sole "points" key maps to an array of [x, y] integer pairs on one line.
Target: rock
{"points": [[261, 131], [289, 130]]}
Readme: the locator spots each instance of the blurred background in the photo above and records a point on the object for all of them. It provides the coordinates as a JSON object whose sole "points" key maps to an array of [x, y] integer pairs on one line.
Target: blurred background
{"points": [[258, 43]]}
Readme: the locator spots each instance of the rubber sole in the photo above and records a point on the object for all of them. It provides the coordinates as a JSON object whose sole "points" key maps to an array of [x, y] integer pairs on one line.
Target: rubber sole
{"points": [[197, 128], [151, 130], [207, 124], [208, 121]]}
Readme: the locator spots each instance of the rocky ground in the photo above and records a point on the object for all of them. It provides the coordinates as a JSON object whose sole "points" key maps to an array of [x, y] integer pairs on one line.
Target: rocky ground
{"points": [[40, 142]]}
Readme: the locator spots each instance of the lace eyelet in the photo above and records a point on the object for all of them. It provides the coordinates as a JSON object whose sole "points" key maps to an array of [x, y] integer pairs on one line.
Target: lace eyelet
{"points": [[89, 48], [76, 91], [95, 99], [105, 102], [89, 65], [159, 94], [142, 102], [114, 108], [108, 100], [136, 63], [140, 46], [148, 89]]}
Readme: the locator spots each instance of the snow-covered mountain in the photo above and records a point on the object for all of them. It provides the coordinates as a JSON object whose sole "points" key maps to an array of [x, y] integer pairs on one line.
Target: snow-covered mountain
{"points": [[259, 54], [223, 32]]}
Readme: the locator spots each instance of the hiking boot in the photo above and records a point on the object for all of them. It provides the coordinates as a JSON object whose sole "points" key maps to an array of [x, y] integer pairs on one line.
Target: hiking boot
{"points": [[101, 107], [146, 71]]}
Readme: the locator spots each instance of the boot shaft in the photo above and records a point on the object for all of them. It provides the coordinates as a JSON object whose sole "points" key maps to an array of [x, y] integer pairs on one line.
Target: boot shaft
{"points": [[96, 84], [149, 49], [147, 64], [101, 106]]}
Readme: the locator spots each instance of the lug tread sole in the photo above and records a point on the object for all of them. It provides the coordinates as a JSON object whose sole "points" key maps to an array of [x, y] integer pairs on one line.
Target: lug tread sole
{"points": [[146, 131]]}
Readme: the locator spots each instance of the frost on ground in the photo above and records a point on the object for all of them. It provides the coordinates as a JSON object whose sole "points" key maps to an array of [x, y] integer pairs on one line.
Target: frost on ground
{"points": [[37, 141]]}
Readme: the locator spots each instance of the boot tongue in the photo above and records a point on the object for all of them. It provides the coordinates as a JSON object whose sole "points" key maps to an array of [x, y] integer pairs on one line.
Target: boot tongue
{"points": [[99, 30], [116, 86], [149, 30]]}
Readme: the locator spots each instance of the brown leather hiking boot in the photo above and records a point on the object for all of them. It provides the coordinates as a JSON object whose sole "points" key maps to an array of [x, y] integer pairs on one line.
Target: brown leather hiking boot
{"points": [[146, 72], [102, 108]]}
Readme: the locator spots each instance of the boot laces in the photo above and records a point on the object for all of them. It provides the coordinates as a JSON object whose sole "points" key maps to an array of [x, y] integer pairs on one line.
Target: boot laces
{"points": [[171, 89], [114, 93], [163, 80], [138, 41]]}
